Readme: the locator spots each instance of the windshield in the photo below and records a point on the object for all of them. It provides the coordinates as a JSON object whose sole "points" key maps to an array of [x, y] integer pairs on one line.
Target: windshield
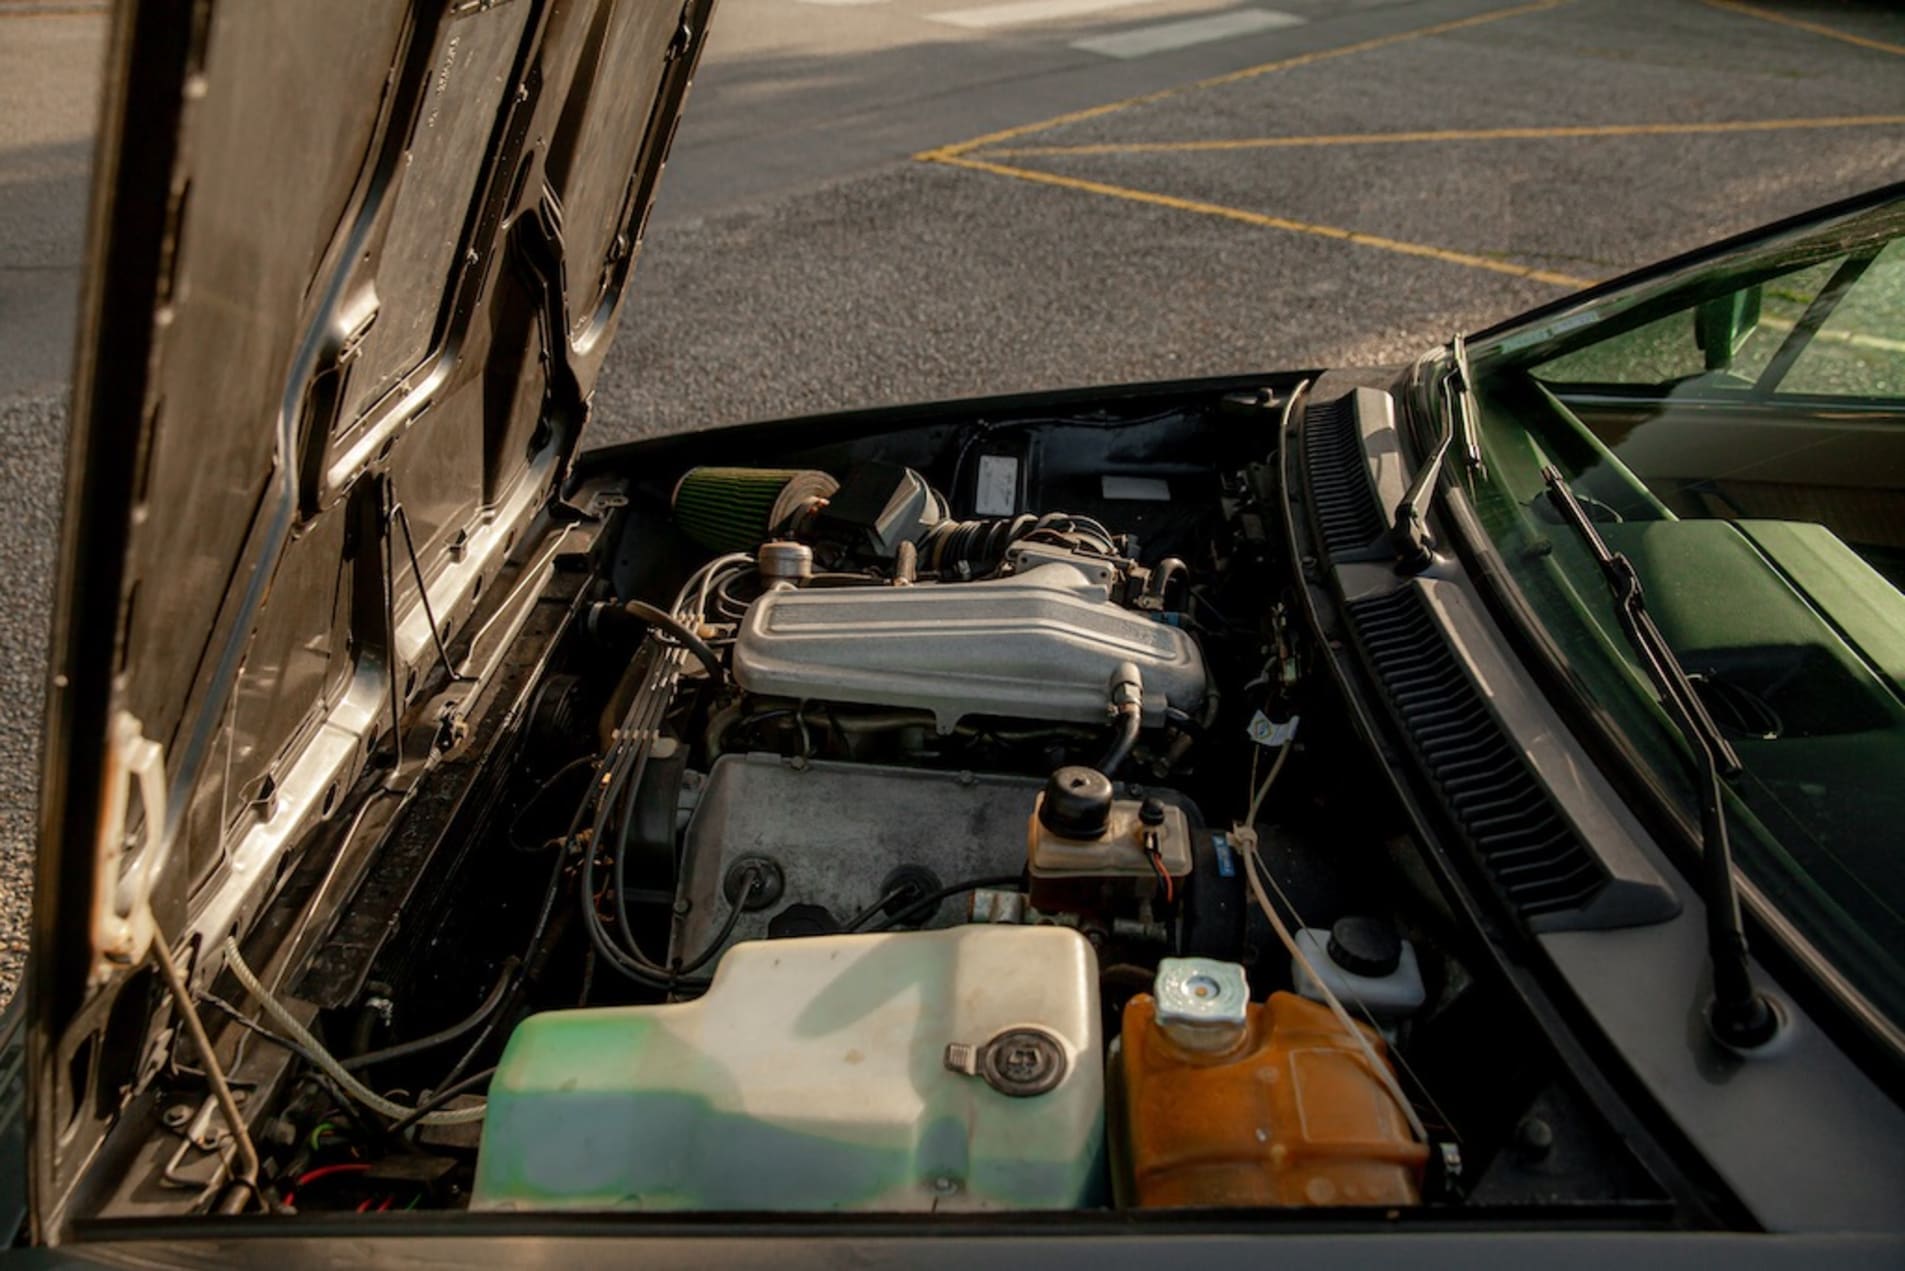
{"points": [[1738, 432]]}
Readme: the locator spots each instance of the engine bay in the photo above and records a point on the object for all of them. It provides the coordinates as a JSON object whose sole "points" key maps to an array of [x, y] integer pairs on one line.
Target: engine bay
{"points": [[943, 819]]}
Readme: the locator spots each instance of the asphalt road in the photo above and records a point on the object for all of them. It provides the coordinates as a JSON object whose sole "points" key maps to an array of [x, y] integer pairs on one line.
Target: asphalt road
{"points": [[876, 201]]}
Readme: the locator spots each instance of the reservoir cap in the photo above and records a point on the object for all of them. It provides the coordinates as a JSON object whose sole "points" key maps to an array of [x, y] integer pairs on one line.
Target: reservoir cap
{"points": [[1076, 803], [1020, 1062], [1365, 945], [1202, 1004]]}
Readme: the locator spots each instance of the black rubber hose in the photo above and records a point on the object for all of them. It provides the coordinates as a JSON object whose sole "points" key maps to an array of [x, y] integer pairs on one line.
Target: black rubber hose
{"points": [[445, 1035], [1169, 570], [631, 964], [926, 905], [1130, 721], [362, 1028], [683, 636], [440, 1098], [872, 911], [619, 961], [735, 911], [561, 863], [543, 915], [624, 828], [631, 769], [252, 1026], [548, 783]]}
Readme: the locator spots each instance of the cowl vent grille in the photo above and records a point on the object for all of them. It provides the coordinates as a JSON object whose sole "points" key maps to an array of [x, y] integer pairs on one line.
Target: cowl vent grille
{"points": [[1345, 505], [1507, 816]]}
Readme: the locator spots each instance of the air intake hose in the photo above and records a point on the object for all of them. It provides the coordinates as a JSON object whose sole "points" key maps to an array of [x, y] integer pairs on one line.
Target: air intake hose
{"points": [[975, 549]]}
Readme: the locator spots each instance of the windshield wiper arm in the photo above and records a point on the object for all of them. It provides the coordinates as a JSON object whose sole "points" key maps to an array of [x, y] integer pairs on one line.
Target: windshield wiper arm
{"points": [[1408, 532], [1741, 1016]]}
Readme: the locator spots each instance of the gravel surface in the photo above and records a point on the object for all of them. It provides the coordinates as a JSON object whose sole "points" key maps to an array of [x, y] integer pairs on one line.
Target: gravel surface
{"points": [[32, 449], [926, 282]]}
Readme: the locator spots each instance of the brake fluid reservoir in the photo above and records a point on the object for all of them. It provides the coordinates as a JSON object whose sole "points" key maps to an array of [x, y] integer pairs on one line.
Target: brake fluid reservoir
{"points": [[1084, 843], [950, 1070], [1223, 1102]]}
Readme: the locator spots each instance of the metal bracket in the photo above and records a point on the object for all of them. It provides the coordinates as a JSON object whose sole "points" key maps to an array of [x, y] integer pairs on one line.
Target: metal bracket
{"points": [[684, 37], [124, 877]]}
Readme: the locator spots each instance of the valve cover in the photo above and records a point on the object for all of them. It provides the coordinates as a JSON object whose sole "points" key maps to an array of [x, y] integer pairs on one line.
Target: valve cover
{"points": [[1036, 645]]}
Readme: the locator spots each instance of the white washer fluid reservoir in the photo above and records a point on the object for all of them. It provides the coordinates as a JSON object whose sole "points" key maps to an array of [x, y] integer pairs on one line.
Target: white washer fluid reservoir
{"points": [[959, 1069]]}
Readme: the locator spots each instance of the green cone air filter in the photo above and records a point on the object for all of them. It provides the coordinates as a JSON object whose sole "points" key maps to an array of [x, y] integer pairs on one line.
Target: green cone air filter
{"points": [[736, 509]]}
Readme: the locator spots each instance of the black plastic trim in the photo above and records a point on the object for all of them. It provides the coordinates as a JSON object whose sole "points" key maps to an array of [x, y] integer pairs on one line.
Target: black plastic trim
{"points": [[1531, 851], [1341, 498]]}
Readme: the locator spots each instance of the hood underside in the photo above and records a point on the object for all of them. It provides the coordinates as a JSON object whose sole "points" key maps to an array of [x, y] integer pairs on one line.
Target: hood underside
{"points": [[354, 271]]}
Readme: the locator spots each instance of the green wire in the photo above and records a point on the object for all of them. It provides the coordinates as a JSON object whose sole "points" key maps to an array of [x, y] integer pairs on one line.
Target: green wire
{"points": [[317, 1133]]}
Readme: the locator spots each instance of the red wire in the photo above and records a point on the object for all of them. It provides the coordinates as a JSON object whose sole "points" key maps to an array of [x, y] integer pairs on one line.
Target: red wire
{"points": [[1170, 884], [325, 1171]]}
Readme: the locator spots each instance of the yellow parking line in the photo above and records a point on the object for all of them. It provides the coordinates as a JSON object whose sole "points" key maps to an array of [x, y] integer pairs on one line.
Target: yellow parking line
{"points": [[1232, 77], [1817, 28], [54, 10], [1266, 222], [1447, 134]]}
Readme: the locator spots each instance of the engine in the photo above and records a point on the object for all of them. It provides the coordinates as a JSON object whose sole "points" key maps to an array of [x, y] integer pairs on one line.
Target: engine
{"points": [[935, 720]]}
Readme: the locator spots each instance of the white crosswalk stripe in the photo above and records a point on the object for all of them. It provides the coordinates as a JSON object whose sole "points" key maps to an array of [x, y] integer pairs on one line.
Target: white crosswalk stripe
{"points": [[1025, 12], [1164, 37]]}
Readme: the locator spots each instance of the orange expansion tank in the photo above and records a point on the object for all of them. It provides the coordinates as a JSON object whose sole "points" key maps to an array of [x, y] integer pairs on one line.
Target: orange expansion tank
{"points": [[1226, 1102]]}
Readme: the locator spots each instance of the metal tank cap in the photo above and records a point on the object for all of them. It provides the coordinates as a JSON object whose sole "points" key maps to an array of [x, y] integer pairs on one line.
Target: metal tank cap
{"points": [[1202, 1004], [1021, 1062], [785, 563]]}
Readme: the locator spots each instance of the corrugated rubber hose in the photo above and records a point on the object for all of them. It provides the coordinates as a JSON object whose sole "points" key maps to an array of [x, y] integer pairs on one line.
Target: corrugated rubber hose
{"points": [[328, 1062]]}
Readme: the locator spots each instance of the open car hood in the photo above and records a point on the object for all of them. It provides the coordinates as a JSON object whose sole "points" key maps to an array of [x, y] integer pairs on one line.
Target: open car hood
{"points": [[354, 270]]}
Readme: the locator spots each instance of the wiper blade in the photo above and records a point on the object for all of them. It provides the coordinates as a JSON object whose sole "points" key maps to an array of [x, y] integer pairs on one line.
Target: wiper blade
{"points": [[1408, 532], [1657, 656], [1741, 1016]]}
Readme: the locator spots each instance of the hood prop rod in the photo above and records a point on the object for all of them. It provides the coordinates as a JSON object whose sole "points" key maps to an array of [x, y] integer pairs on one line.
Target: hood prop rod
{"points": [[242, 1145]]}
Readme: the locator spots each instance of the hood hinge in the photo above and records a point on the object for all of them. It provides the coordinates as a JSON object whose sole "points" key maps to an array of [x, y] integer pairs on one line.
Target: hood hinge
{"points": [[684, 35], [123, 877]]}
